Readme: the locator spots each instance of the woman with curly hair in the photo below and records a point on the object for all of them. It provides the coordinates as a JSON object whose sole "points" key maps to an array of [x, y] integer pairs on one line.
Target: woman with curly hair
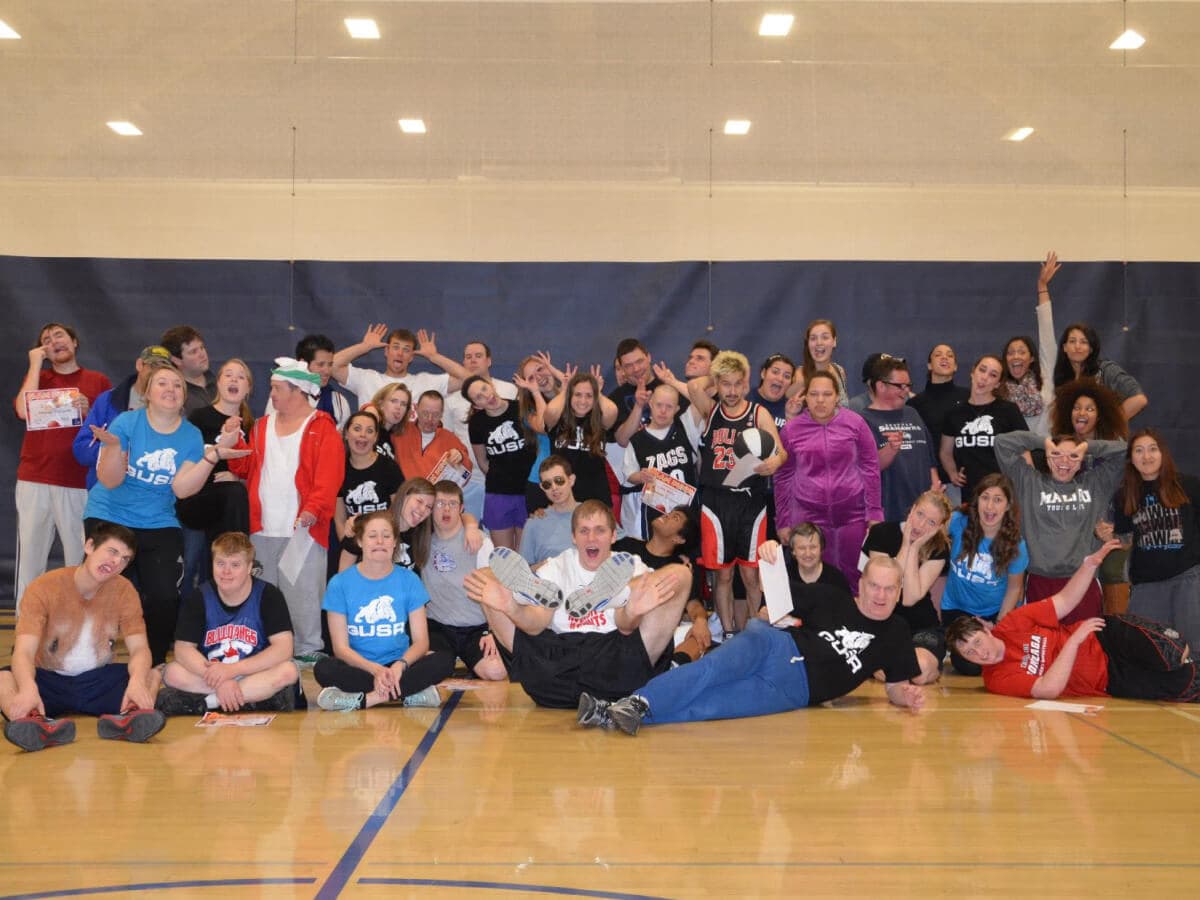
{"points": [[1160, 508], [1089, 410], [921, 545], [576, 420], [391, 405], [988, 559]]}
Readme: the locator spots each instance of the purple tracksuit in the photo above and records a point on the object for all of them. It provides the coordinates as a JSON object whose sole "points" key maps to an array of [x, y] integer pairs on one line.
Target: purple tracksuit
{"points": [[831, 478]]}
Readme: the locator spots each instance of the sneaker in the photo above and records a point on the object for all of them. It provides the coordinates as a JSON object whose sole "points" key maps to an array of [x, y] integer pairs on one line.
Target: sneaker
{"points": [[336, 700], [593, 713], [428, 697], [136, 725], [36, 732], [174, 702], [308, 660], [627, 713], [611, 579], [283, 700], [527, 589]]}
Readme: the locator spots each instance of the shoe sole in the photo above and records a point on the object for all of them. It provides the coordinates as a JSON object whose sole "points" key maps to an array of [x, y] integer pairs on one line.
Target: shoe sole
{"points": [[611, 578], [514, 573], [136, 729], [32, 736], [589, 714]]}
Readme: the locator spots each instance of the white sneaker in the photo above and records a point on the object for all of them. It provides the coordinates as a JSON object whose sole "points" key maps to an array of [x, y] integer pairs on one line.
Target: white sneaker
{"points": [[336, 700], [428, 697]]}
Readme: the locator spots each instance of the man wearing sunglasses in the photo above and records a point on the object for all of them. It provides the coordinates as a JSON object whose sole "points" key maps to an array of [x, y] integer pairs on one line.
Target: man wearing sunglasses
{"points": [[548, 531]]}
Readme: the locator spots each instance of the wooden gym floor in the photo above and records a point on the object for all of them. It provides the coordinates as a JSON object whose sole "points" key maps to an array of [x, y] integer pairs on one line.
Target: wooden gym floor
{"points": [[491, 797]]}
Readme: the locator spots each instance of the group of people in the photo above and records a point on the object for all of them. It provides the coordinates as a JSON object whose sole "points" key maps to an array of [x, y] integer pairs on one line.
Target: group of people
{"points": [[381, 525]]}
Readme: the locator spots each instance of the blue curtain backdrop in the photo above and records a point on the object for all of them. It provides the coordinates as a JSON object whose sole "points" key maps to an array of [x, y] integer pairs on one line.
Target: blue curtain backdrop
{"points": [[1147, 315]]}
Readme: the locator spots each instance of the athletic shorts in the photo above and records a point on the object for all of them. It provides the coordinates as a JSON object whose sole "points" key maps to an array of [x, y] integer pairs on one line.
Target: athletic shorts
{"points": [[462, 641], [932, 639], [733, 524], [1145, 661], [95, 693], [501, 511], [554, 669]]}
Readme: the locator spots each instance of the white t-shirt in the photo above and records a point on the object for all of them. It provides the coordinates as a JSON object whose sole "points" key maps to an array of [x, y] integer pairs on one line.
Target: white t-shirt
{"points": [[277, 486], [566, 571], [366, 383]]}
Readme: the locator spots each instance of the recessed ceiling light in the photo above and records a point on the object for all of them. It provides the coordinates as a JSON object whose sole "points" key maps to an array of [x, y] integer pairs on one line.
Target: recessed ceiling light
{"points": [[1019, 134], [127, 129], [776, 24], [363, 29], [7, 32], [1129, 40], [412, 126], [737, 126]]}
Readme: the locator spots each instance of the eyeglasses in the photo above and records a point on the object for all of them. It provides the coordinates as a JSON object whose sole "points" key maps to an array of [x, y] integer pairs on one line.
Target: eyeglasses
{"points": [[897, 384], [446, 504], [556, 481]]}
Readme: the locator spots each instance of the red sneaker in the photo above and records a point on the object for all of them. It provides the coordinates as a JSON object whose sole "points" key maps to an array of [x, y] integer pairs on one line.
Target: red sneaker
{"points": [[36, 732], [136, 725]]}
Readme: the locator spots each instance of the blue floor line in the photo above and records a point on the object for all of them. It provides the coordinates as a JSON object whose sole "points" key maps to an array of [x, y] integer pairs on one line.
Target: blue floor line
{"points": [[158, 886], [345, 866]]}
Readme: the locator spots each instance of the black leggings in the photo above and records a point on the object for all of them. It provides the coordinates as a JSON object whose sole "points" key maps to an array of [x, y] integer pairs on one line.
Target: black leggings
{"points": [[156, 570], [429, 669]]}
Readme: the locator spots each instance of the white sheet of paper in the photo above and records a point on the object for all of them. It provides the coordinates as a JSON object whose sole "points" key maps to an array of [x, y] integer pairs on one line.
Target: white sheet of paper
{"points": [[294, 554], [775, 587], [741, 470], [1087, 709]]}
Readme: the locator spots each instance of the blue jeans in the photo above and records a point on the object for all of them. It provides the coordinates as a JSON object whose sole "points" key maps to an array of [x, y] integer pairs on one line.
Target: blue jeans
{"points": [[756, 673]]}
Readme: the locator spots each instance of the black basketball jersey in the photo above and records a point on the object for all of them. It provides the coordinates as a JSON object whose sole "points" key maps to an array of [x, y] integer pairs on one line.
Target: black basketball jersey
{"points": [[672, 455], [717, 455]]}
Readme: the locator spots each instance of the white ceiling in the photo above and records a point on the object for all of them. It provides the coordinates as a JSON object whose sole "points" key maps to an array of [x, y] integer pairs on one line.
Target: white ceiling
{"points": [[860, 93]]}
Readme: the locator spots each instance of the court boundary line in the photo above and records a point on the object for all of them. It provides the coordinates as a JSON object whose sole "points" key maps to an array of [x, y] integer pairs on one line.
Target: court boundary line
{"points": [[1136, 746], [344, 868], [158, 886]]}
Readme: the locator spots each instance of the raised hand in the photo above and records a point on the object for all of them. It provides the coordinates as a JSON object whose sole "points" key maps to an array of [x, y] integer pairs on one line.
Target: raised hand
{"points": [[1050, 267], [599, 376], [426, 343], [375, 337]]}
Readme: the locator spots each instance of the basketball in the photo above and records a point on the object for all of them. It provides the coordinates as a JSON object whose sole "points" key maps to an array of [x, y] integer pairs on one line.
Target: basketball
{"points": [[754, 442]]}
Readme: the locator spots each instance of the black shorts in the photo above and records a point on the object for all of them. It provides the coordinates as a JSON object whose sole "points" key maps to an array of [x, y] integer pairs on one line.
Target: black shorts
{"points": [[462, 641], [1144, 661], [95, 693], [554, 669], [932, 639], [733, 524]]}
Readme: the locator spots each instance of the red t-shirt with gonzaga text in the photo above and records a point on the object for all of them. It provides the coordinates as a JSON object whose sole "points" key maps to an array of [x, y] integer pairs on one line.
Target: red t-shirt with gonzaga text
{"points": [[46, 456], [1033, 638]]}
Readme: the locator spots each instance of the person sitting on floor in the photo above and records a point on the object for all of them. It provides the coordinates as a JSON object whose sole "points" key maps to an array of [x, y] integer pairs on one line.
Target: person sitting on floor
{"points": [[456, 624], [1029, 653], [591, 620], [62, 659], [378, 630], [833, 647], [233, 641]]}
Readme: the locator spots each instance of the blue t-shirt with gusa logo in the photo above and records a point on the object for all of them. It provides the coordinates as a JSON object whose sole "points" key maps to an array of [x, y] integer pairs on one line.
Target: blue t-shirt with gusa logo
{"points": [[376, 610], [146, 498], [973, 585]]}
